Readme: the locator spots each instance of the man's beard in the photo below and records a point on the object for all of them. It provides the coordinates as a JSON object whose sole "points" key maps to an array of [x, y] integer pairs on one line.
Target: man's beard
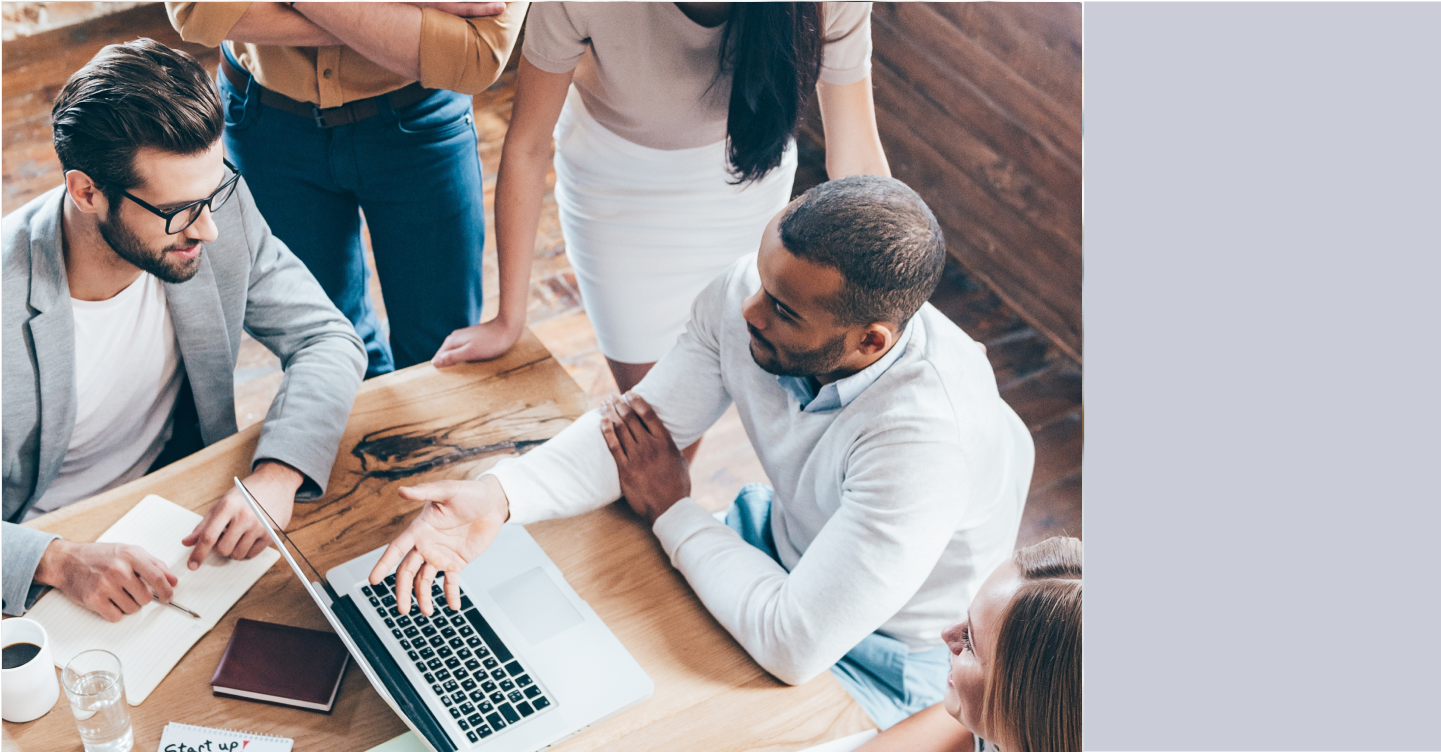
{"points": [[129, 247], [821, 360]]}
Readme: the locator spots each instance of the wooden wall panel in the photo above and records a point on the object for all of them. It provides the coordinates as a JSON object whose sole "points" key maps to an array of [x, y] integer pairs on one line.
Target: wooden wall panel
{"points": [[979, 108]]}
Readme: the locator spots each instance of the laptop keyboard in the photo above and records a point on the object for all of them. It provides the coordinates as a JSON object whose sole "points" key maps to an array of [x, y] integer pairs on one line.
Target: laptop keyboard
{"points": [[463, 661]]}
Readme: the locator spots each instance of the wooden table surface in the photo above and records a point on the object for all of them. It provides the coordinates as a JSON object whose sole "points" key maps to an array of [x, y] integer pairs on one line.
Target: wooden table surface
{"points": [[421, 424]]}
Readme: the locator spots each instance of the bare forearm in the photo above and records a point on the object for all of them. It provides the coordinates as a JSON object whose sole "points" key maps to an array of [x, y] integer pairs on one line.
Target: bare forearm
{"points": [[853, 143], [524, 161], [276, 24], [930, 730], [518, 192], [387, 34]]}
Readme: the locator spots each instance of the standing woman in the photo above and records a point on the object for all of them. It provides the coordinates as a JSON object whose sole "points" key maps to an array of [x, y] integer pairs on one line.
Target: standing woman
{"points": [[674, 148]]}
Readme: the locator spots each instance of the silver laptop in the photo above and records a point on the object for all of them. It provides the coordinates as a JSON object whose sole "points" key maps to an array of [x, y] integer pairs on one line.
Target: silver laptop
{"points": [[524, 664]]}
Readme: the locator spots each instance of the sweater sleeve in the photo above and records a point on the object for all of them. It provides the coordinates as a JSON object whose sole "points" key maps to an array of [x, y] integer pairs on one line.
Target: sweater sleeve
{"points": [[323, 359], [574, 473], [901, 502], [23, 549]]}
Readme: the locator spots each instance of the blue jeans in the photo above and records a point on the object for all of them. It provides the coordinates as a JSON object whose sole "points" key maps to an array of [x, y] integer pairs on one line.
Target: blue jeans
{"points": [[415, 173], [883, 676]]}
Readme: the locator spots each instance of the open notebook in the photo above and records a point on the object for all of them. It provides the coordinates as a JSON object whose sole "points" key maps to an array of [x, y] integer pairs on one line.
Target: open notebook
{"points": [[151, 642]]}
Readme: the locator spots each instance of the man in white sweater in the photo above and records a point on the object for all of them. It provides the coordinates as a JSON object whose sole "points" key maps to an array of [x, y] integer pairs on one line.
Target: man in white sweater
{"points": [[899, 473]]}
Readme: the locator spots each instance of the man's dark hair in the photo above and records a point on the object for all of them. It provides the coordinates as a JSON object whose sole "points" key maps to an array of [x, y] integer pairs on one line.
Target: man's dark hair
{"points": [[130, 96], [882, 238]]}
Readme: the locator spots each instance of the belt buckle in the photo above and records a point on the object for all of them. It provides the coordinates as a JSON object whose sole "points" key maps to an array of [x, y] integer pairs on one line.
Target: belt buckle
{"points": [[318, 115]]}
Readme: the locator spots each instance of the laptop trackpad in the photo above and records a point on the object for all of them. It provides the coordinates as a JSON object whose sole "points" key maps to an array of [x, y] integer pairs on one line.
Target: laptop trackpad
{"points": [[536, 605]]}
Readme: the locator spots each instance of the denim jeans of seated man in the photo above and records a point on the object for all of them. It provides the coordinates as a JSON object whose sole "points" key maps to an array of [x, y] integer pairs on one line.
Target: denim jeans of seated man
{"points": [[881, 674], [416, 175]]}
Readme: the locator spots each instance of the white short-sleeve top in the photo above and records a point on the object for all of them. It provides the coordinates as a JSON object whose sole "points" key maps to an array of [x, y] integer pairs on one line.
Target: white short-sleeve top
{"points": [[650, 75]]}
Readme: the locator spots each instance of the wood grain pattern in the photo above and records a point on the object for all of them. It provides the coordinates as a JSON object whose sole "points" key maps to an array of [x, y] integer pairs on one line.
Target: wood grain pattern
{"points": [[453, 424]]}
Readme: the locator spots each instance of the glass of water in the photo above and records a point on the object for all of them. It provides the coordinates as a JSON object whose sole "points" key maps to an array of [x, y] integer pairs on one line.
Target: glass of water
{"points": [[96, 690]]}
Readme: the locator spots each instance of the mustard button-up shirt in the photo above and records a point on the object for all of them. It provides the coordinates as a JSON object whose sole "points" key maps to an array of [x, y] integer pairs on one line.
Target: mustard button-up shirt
{"points": [[465, 55]]}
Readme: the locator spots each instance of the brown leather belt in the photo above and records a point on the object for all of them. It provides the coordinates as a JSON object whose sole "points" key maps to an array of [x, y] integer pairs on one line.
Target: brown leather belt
{"points": [[330, 117]]}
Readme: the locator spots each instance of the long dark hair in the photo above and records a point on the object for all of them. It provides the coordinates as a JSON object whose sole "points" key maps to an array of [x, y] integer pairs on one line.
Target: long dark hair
{"points": [[773, 53]]}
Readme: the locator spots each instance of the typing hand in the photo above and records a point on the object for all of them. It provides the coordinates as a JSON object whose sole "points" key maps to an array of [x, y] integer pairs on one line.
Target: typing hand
{"points": [[485, 341], [466, 10], [231, 530], [111, 579], [459, 521], [654, 475]]}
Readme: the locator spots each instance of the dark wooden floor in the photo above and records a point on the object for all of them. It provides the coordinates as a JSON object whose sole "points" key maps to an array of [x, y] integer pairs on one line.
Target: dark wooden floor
{"points": [[1041, 382], [979, 108]]}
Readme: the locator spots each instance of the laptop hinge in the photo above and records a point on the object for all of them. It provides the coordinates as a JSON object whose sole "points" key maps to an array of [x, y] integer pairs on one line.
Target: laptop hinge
{"points": [[389, 672]]}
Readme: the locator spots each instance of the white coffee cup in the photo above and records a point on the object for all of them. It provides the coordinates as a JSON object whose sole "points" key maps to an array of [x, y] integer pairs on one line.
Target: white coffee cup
{"points": [[30, 690]]}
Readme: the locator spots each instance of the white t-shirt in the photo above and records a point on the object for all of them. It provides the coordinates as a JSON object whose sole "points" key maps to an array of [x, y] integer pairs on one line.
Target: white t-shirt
{"points": [[127, 376]]}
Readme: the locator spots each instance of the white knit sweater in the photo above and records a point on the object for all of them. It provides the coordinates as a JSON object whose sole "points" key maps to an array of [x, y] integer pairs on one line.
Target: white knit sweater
{"points": [[889, 513]]}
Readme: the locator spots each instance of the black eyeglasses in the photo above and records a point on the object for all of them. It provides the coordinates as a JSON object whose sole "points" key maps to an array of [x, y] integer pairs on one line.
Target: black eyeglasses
{"points": [[186, 215]]}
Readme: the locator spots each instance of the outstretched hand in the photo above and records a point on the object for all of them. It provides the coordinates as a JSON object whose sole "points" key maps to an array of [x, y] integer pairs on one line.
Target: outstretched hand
{"points": [[654, 475], [459, 521]]}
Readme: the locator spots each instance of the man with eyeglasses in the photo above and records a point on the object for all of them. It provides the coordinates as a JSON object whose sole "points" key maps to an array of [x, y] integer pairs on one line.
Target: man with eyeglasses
{"points": [[126, 291]]}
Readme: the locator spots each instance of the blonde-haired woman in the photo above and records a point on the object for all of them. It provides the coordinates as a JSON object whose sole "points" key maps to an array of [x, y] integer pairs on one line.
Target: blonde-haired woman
{"points": [[1015, 681]]}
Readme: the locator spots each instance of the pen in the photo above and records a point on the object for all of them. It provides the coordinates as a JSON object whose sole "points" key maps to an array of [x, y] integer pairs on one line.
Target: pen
{"points": [[175, 605]]}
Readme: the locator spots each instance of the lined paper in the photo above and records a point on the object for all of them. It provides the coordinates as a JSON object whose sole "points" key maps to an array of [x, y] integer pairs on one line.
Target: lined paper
{"points": [[149, 643]]}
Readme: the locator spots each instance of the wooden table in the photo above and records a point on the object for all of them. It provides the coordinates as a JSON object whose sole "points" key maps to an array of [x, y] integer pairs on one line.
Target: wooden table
{"points": [[421, 424]]}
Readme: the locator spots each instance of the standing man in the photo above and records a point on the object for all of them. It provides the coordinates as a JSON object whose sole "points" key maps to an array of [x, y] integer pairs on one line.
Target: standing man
{"points": [[126, 292], [332, 109]]}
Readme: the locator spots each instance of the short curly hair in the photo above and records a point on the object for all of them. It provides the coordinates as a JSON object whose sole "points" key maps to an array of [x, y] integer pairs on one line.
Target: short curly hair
{"points": [[882, 238]]}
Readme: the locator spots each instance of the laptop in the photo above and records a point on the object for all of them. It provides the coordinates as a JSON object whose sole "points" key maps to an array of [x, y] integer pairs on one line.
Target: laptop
{"points": [[524, 664]]}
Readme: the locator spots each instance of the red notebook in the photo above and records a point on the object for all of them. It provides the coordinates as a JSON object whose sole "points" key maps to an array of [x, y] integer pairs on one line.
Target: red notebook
{"points": [[286, 665]]}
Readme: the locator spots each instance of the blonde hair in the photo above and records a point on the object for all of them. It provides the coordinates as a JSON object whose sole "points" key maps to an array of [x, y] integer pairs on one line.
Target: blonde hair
{"points": [[1033, 685]]}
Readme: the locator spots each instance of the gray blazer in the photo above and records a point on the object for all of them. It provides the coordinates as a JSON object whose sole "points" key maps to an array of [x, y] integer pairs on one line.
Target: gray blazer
{"points": [[248, 280]]}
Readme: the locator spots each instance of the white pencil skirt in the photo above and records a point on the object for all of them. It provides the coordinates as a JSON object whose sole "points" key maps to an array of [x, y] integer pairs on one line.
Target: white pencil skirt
{"points": [[646, 230]]}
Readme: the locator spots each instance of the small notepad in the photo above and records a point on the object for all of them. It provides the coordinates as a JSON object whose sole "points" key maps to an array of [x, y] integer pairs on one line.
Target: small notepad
{"points": [[181, 737], [150, 642]]}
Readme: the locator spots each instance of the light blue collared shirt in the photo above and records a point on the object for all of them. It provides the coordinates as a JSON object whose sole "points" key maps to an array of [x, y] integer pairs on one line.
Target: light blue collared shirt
{"points": [[838, 394]]}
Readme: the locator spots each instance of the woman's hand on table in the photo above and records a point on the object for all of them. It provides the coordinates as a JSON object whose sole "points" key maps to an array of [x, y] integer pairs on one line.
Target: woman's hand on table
{"points": [[485, 341], [459, 521]]}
